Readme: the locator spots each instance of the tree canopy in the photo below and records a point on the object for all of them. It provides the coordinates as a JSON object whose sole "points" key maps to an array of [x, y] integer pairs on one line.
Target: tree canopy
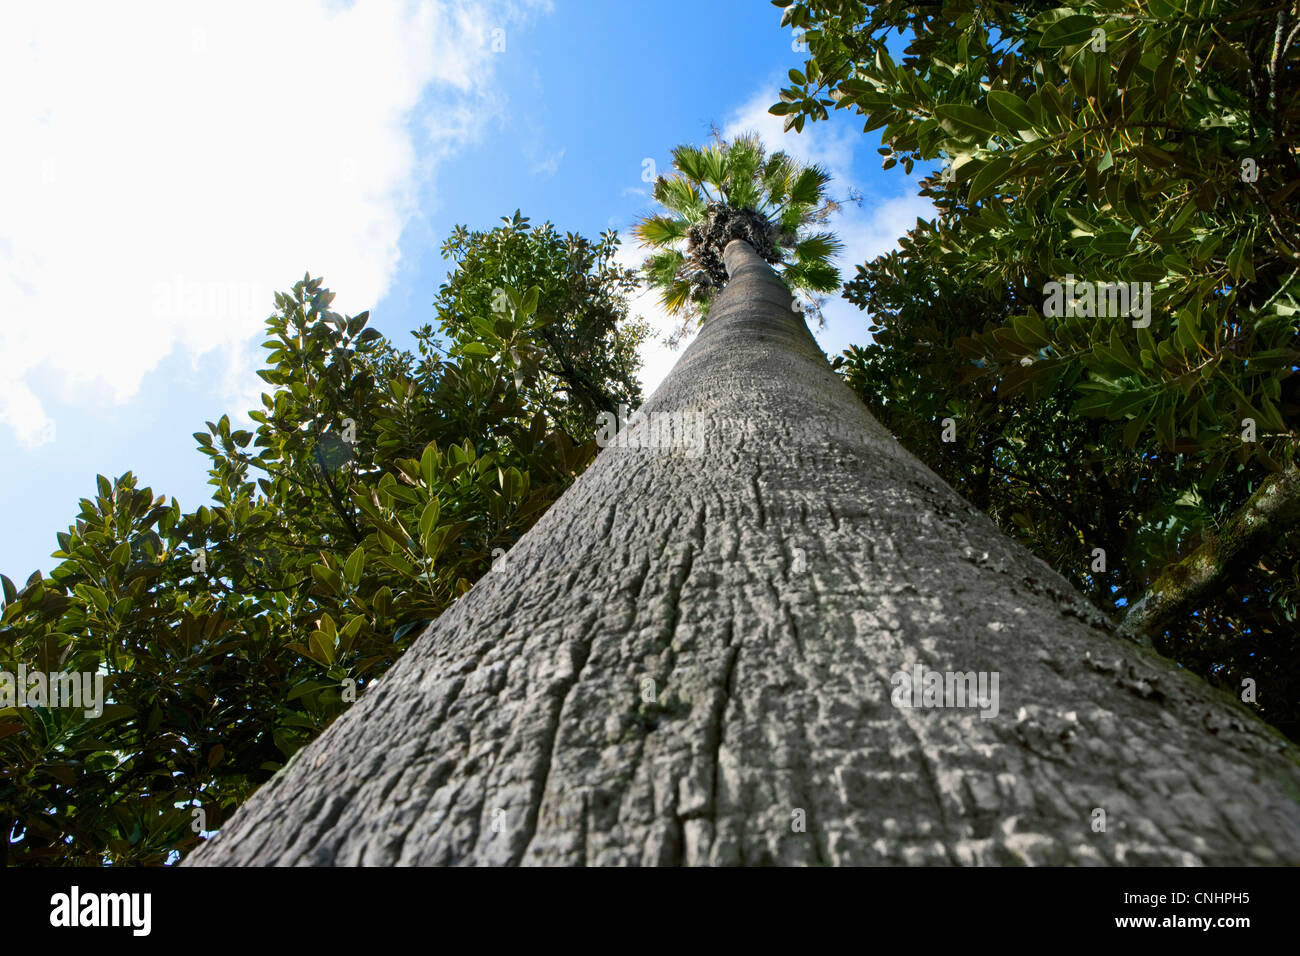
{"points": [[730, 190], [377, 486], [584, 344]]}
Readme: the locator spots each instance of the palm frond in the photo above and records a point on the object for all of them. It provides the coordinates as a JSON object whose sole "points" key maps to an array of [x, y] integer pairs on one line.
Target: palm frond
{"points": [[744, 157], [681, 196], [715, 165], [812, 276], [661, 268], [806, 190], [792, 217], [690, 161], [676, 296], [744, 193], [660, 230], [777, 173], [818, 247]]}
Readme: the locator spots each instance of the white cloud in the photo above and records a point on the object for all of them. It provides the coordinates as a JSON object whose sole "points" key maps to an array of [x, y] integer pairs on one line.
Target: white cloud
{"points": [[168, 167], [544, 167], [829, 143], [22, 408], [867, 232]]}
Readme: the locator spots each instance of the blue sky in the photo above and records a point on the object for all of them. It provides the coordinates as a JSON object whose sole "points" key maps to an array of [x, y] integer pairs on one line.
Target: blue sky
{"points": [[178, 166]]}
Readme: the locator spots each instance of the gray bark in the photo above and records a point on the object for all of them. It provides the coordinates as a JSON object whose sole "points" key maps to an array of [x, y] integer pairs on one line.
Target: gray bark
{"points": [[770, 587]]}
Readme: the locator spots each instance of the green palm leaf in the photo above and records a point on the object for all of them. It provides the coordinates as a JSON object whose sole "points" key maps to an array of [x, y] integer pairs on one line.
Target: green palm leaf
{"points": [[725, 187], [660, 230], [819, 276], [817, 247], [744, 156], [680, 196], [715, 166], [662, 268], [792, 215], [777, 173], [690, 160], [744, 194], [676, 296], [808, 186]]}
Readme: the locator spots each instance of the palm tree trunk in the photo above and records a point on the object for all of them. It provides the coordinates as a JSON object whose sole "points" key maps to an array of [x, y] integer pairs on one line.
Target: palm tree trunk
{"points": [[693, 659]]}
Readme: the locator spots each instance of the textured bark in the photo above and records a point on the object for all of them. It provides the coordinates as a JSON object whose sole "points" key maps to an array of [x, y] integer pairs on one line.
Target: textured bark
{"points": [[770, 587], [1192, 582]]}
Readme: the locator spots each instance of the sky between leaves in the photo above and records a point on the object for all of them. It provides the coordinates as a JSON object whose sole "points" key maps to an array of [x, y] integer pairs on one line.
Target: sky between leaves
{"points": [[169, 166]]}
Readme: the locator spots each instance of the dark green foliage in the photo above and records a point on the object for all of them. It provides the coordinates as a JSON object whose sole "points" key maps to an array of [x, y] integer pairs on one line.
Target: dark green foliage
{"points": [[377, 487], [1122, 165], [579, 341]]}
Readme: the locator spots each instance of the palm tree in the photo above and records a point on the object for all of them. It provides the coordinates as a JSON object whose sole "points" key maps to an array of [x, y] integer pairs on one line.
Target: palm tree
{"points": [[695, 657], [734, 190]]}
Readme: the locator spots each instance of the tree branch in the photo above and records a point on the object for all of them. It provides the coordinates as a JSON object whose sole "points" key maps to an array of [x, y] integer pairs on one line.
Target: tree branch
{"points": [[1187, 585]]}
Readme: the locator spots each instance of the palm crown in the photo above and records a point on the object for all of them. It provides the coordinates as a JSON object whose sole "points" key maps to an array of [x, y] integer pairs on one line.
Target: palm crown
{"points": [[731, 191]]}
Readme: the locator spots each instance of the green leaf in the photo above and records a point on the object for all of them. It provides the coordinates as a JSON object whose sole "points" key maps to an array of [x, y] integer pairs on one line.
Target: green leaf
{"points": [[1112, 244], [1031, 331], [435, 540], [382, 602], [350, 631], [407, 628], [529, 305], [428, 464], [966, 121], [328, 577], [355, 565], [429, 517], [308, 686], [989, 177], [662, 230], [93, 595], [1010, 110], [1068, 32], [391, 531], [322, 648], [1133, 430]]}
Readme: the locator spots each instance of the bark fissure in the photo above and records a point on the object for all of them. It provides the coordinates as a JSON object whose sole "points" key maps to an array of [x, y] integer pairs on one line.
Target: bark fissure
{"points": [[758, 497], [718, 721], [550, 748]]}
